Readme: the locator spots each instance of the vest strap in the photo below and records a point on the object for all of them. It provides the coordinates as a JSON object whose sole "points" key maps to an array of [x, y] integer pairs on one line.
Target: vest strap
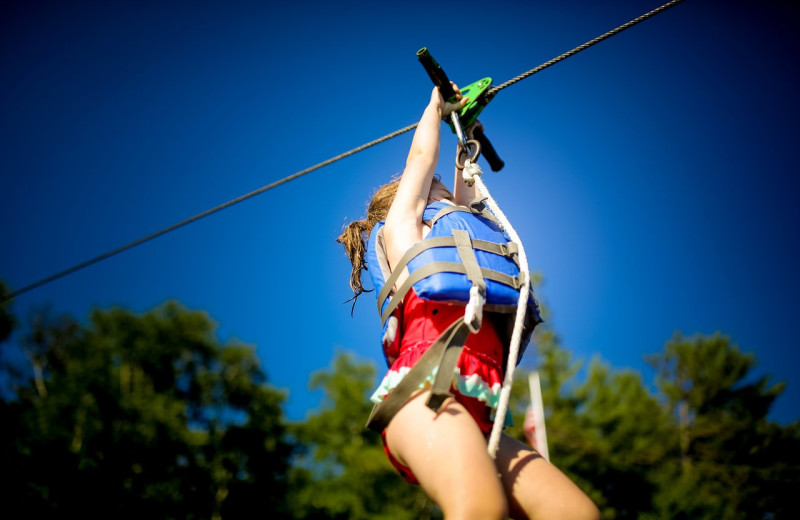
{"points": [[467, 254], [509, 249], [412, 252], [476, 207], [444, 354], [442, 267]]}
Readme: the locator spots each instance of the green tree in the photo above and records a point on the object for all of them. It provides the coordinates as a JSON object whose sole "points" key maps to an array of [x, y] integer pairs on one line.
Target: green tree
{"points": [[569, 441], [7, 321], [626, 436], [7, 325], [732, 462], [142, 415], [605, 429], [344, 473]]}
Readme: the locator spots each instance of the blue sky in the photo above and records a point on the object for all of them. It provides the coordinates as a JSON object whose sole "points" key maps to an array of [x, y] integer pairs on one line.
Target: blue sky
{"points": [[652, 178]]}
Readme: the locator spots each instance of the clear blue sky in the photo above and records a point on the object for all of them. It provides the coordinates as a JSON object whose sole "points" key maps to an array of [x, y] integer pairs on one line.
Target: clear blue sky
{"points": [[652, 178]]}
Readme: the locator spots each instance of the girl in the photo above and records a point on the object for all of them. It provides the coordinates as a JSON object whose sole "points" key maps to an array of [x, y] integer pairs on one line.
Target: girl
{"points": [[446, 451]]}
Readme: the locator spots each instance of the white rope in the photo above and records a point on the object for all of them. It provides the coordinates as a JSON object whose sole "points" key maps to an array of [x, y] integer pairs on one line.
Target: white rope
{"points": [[516, 336]]}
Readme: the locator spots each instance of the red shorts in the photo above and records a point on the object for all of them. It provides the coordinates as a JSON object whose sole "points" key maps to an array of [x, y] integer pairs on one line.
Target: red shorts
{"points": [[477, 384]]}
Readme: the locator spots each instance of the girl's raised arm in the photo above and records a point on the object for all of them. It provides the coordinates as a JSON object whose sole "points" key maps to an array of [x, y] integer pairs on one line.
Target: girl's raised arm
{"points": [[403, 226]]}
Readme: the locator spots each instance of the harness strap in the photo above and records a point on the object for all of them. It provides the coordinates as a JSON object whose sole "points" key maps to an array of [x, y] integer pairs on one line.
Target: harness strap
{"points": [[467, 254], [473, 313], [509, 249], [444, 354], [476, 207], [449, 267]]}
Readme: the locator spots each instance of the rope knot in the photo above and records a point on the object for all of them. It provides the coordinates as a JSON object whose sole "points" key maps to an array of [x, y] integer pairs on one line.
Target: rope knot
{"points": [[473, 313], [471, 171]]}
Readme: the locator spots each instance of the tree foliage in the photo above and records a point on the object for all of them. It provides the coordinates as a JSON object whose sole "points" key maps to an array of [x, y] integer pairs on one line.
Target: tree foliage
{"points": [[344, 471], [699, 447], [142, 416], [134, 415], [7, 321], [732, 462]]}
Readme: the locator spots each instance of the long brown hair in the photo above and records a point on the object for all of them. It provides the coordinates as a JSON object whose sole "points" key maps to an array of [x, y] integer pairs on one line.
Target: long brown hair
{"points": [[355, 234]]}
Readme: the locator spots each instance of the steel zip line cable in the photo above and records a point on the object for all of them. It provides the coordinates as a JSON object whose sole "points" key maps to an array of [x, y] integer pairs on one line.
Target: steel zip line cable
{"points": [[494, 90], [206, 213], [492, 93]]}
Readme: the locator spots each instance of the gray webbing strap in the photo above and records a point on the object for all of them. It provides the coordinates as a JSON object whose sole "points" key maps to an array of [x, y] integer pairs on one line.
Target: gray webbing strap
{"points": [[415, 250], [436, 267], [509, 249], [467, 254], [446, 211], [476, 208], [453, 346], [444, 353]]}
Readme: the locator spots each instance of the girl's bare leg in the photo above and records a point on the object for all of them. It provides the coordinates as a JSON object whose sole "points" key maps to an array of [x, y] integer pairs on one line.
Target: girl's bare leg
{"points": [[538, 490], [447, 453]]}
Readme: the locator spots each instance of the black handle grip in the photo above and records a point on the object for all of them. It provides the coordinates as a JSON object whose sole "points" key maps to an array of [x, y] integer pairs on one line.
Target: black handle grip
{"points": [[488, 151], [436, 74]]}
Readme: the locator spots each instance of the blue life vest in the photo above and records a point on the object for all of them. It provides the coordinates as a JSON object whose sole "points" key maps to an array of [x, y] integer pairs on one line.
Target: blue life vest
{"points": [[437, 271]]}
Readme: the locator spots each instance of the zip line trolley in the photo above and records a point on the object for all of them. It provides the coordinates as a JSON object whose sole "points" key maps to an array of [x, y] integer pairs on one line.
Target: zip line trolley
{"points": [[479, 96]]}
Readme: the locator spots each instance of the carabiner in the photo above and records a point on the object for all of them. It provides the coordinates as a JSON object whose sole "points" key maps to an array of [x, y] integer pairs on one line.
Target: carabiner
{"points": [[465, 151]]}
